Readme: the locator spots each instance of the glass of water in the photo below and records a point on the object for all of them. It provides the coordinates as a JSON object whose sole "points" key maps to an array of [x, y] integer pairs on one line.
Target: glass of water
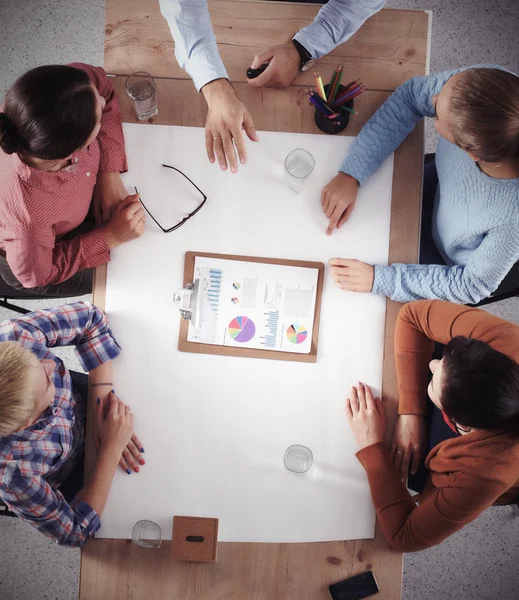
{"points": [[298, 459], [141, 89], [147, 534], [298, 166]]}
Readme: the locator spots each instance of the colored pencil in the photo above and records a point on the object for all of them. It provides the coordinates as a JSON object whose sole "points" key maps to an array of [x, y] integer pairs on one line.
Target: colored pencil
{"points": [[334, 84], [319, 86]]}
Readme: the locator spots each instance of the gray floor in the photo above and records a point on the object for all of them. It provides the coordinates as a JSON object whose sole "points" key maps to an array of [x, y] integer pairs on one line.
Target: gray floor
{"points": [[480, 562]]}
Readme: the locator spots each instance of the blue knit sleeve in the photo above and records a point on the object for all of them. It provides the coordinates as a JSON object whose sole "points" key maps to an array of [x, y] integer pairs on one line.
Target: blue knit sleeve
{"points": [[392, 123], [469, 283]]}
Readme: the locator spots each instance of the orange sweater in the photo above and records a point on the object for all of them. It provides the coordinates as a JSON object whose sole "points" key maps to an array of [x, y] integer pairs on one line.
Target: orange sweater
{"points": [[468, 473]]}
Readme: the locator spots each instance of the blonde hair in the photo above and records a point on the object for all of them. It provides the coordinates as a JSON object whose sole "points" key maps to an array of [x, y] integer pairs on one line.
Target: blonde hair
{"points": [[17, 398], [484, 114]]}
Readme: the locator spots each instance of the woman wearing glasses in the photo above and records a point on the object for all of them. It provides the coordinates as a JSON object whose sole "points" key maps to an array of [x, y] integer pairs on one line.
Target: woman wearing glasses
{"points": [[63, 206], [473, 417]]}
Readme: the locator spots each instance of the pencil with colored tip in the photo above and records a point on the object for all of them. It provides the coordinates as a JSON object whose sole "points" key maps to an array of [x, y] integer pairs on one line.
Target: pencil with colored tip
{"points": [[336, 85]]}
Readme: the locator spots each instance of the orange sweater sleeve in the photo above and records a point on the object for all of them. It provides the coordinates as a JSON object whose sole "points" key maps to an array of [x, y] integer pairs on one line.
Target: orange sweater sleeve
{"points": [[410, 528], [420, 324]]}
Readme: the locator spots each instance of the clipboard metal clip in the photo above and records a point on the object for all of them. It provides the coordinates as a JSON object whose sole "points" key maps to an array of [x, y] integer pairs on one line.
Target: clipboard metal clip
{"points": [[188, 301]]}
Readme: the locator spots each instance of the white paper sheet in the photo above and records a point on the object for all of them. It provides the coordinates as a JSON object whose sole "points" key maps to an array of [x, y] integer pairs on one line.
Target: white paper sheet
{"points": [[215, 428], [255, 305]]}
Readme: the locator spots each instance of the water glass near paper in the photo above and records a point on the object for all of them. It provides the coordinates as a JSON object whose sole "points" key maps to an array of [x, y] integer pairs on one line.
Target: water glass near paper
{"points": [[140, 87], [299, 164]]}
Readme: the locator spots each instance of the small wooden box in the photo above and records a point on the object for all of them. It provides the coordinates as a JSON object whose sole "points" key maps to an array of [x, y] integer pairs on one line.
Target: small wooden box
{"points": [[194, 539]]}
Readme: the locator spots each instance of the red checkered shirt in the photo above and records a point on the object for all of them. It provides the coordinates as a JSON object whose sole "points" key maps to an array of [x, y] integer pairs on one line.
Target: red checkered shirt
{"points": [[35, 461], [37, 207]]}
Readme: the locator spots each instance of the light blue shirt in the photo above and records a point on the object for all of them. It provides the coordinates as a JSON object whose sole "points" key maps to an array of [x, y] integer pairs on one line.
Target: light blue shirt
{"points": [[195, 43], [475, 217]]}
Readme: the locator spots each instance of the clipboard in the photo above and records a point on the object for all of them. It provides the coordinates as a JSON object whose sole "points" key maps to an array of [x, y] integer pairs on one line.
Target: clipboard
{"points": [[189, 286]]}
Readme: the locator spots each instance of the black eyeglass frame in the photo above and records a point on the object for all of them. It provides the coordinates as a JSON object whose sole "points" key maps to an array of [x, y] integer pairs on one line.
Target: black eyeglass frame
{"points": [[185, 219]]}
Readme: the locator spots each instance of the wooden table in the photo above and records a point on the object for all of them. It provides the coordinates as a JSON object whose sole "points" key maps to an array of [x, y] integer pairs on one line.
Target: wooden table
{"points": [[389, 48]]}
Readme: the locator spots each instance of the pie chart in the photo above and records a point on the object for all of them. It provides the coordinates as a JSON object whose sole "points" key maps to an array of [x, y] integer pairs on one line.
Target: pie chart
{"points": [[242, 329], [297, 334]]}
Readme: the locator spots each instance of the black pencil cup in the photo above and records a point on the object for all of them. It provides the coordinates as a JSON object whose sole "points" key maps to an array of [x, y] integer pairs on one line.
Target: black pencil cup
{"points": [[337, 124]]}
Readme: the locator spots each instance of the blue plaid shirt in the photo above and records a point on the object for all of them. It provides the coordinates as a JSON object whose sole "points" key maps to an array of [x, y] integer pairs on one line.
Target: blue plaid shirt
{"points": [[36, 460]]}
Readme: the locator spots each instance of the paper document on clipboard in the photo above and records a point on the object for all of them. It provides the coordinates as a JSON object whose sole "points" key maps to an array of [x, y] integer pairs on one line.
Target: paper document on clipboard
{"points": [[254, 305]]}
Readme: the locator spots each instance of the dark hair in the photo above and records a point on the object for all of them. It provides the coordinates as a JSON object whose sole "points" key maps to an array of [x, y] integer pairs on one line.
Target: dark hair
{"points": [[49, 113], [480, 386], [484, 114]]}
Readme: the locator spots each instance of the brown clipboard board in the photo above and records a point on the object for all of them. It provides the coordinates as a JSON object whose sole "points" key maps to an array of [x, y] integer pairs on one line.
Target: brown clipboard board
{"points": [[185, 346]]}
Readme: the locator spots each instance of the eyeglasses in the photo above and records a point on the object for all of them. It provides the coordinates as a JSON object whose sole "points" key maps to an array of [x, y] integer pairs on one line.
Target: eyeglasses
{"points": [[185, 219]]}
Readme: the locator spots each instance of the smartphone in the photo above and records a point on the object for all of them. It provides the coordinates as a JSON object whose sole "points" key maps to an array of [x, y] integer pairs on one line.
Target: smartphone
{"points": [[354, 588]]}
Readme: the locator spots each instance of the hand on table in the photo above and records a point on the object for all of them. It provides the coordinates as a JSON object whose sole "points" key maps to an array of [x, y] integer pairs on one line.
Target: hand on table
{"points": [[126, 223], [115, 432], [352, 275], [408, 443], [366, 416], [283, 66], [338, 199], [226, 117], [108, 192]]}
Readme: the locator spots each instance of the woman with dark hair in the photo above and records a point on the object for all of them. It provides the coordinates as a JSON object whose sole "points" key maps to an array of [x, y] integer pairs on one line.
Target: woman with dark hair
{"points": [[473, 438], [61, 155]]}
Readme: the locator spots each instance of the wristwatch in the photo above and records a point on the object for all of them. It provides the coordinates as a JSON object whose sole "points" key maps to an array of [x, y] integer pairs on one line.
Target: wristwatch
{"points": [[307, 62]]}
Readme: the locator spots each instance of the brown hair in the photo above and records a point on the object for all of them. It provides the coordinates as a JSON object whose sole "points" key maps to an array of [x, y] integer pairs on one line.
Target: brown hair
{"points": [[484, 114], [17, 400], [49, 113]]}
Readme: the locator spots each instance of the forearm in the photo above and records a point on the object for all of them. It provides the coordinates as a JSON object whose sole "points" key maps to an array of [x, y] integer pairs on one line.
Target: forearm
{"points": [[337, 21], [95, 492]]}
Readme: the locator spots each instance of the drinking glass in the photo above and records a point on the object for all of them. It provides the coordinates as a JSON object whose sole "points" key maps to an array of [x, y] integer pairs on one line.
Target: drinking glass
{"points": [[298, 459], [141, 89], [146, 534], [298, 166]]}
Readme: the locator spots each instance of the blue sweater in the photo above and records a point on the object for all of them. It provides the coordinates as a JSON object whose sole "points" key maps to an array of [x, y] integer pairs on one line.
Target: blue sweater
{"points": [[475, 218]]}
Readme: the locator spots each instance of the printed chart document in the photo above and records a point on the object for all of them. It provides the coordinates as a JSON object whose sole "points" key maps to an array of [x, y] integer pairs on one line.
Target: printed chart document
{"points": [[255, 305]]}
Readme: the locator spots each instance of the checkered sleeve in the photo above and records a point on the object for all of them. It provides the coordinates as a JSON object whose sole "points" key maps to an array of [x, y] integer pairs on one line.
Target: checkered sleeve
{"points": [[34, 500], [80, 324]]}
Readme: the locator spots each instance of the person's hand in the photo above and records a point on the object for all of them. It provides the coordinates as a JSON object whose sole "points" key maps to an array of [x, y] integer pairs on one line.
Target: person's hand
{"points": [[338, 199], [283, 66], [132, 456], [226, 117], [366, 416], [408, 443], [116, 427], [108, 192], [352, 275], [126, 223]]}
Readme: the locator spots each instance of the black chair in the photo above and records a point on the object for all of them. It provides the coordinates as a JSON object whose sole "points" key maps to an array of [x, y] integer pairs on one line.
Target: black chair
{"points": [[8, 293]]}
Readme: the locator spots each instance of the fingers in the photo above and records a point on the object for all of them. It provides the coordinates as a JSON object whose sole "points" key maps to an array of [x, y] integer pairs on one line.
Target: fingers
{"points": [[404, 465], [114, 404], [220, 154], [133, 209], [136, 453], [261, 58], [130, 199], [137, 443], [267, 78], [125, 466], [209, 146], [349, 412], [248, 125], [239, 142], [336, 215], [370, 401], [361, 393], [415, 462], [130, 460], [354, 400], [230, 153], [345, 216]]}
